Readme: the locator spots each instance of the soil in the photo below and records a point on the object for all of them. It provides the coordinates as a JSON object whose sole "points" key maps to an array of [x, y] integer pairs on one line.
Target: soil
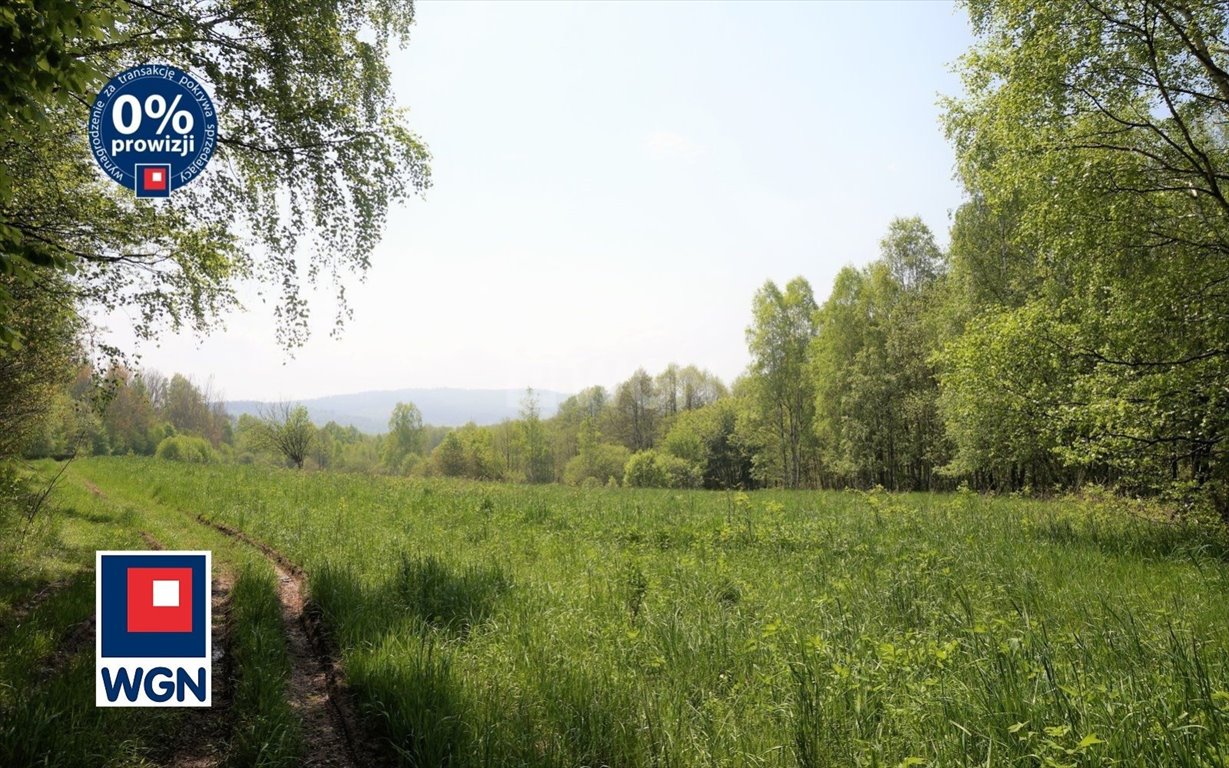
{"points": [[315, 688]]}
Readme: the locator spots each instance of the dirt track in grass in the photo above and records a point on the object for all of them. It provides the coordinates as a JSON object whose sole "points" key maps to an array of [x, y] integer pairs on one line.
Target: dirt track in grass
{"points": [[317, 694]]}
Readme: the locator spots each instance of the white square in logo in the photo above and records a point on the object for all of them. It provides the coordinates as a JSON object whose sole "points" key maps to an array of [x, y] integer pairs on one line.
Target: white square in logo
{"points": [[166, 594], [157, 176]]}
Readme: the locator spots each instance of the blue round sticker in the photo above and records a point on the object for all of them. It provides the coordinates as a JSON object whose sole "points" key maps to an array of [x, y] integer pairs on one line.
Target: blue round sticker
{"points": [[153, 129]]}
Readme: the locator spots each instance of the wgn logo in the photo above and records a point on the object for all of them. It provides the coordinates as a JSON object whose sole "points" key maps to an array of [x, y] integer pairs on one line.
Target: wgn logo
{"points": [[154, 638]]}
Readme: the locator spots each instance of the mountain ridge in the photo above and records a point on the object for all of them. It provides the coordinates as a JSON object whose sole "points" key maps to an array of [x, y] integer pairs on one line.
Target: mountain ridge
{"points": [[368, 411]]}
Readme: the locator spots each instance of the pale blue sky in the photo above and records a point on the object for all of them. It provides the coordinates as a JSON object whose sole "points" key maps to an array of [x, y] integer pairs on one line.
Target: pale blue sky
{"points": [[612, 182]]}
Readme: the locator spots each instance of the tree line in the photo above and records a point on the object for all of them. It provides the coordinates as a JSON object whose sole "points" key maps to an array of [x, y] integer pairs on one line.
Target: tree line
{"points": [[1075, 329]]}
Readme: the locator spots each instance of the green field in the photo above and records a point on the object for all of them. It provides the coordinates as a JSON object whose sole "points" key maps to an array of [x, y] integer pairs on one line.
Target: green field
{"points": [[484, 624]]}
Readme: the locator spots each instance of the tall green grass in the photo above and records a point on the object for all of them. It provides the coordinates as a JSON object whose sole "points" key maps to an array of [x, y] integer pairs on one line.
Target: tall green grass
{"points": [[511, 625], [47, 711], [265, 730]]}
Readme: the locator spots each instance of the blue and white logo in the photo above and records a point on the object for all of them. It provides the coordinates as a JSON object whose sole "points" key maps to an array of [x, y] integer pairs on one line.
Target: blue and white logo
{"points": [[154, 622], [153, 129]]}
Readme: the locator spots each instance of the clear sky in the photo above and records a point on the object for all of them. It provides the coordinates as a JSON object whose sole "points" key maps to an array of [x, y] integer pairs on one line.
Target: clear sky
{"points": [[612, 183]]}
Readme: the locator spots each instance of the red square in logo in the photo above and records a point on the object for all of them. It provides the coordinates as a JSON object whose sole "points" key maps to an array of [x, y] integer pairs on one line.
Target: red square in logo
{"points": [[154, 178], [159, 599]]}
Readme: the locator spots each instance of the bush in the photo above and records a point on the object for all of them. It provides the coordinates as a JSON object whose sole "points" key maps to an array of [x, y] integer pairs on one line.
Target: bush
{"points": [[598, 462], [707, 438], [650, 469], [186, 448]]}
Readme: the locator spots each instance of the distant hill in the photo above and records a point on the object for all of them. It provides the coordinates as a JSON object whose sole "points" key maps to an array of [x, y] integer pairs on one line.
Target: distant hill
{"points": [[369, 411]]}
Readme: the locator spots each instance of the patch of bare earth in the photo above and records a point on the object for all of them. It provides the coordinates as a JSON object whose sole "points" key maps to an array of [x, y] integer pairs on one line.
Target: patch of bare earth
{"points": [[76, 640], [316, 690], [22, 610]]}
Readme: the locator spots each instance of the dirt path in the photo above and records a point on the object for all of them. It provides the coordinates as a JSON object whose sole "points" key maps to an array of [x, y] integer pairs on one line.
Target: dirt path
{"points": [[75, 640], [21, 610], [330, 726], [315, 690], [200, 742]]}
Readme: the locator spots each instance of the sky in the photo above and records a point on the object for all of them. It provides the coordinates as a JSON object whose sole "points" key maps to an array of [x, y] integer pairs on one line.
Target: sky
{"points": [[611, 185]]}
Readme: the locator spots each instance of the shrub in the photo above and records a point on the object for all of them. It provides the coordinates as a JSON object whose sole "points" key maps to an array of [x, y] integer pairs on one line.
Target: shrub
{"points": [[186, 448], [597, 462], [651, 469]]}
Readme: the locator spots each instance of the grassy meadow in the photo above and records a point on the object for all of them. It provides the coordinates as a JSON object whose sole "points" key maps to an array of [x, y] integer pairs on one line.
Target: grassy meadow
{"points": [[47, 712], [486, 624]]}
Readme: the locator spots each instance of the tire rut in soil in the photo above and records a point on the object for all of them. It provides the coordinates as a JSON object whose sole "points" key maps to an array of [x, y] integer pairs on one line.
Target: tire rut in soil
{"points": [[317, 694]]}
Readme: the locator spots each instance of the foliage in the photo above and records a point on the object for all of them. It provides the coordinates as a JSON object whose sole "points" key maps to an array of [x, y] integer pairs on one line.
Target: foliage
{"points": [[405, 436], [634, 412], [186, 448], [1091, 141], [595, 461], [686, 389], [466, 452], [538, 465], [875, 409], [783, 324], [286, 429], [707, 438], [130, 418], [118, 411], [38, 76], [41, 366], [653, 469], [312, 152]]}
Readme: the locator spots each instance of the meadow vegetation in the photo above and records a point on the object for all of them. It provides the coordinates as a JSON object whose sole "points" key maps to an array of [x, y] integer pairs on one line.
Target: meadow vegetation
{"points": [[487, 624], [47, 712]]}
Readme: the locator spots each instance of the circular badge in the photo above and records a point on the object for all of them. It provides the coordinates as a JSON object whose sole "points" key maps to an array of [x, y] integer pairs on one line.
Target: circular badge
{"points": [[153, 129]]}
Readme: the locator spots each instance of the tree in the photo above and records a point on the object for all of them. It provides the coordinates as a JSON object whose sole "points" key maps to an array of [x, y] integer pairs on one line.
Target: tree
{"points": [[876, 415], [588, 405], [539, 467], [287, 430], [783, 324], [449, 457], [129, 417], [596, 462], [684, 389], [39, 75], [1093, 130], [467, 452], [635, 411], [190, 408], [405, 435], [653, 469], [312, 151], [707, 439], [667, 385], [1001, 395], [698, 388], [40, 366]]}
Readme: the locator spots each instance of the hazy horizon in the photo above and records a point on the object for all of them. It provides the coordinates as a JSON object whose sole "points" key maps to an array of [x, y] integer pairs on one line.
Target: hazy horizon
{"points": [[611, 185]]}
